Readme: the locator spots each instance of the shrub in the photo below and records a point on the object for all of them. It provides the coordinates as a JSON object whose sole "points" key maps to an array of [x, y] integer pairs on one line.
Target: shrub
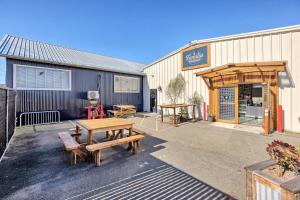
{"points": [[196, 98], [285, 155]]}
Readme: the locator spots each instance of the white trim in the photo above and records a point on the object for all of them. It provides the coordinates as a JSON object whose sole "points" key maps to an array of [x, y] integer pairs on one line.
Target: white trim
{"points": [[45, 68], [128, 77]]}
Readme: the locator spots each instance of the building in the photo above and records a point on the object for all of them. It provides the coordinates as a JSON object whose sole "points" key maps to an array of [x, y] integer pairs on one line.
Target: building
{"points": [[238, 76], [53, 78]]}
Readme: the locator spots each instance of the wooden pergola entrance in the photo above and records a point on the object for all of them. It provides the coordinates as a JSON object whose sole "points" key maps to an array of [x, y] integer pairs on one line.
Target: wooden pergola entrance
{"points": [[231, 75]]}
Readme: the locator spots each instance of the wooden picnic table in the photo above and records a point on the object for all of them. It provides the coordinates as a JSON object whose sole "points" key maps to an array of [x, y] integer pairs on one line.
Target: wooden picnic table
{"points": [[121, 110], [174, 106], [107, 125]]}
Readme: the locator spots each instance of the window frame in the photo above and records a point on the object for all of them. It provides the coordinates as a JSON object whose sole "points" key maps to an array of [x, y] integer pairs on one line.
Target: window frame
{"points": [[45, 68], [132, 77]]}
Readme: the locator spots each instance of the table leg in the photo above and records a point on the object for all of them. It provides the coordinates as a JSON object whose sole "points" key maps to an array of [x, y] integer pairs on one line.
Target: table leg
{"points": [[90, 141], [194, 117], [162, 115], [77, 130], [122, 133], [130, 143], [174, 116], [90, 137]]}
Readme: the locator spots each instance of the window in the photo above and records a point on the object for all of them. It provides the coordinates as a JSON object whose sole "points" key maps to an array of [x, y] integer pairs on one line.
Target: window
{"points": [[126, 84], [40, 78]]}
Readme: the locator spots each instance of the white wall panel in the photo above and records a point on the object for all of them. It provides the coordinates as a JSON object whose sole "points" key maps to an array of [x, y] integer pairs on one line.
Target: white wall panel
{"points": [[230, 51], [283, 46], [295, 92], [267, 48], [250, 49], [258, 45], [236, 51], [224, 51], [276, 47], [243, 50]]}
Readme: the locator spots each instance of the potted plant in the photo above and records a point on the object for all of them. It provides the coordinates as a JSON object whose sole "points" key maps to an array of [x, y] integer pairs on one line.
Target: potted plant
{"points": [[183, 115], [175, 90], [210, 117], [279, 176], [197, 100]]}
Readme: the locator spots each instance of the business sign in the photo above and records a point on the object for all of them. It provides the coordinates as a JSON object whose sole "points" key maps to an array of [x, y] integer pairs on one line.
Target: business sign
{"points": [[196, 57]]}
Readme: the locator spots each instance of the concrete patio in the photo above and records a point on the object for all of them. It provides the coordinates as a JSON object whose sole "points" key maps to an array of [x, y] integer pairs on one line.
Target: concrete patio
{"points": [[192, 161]]}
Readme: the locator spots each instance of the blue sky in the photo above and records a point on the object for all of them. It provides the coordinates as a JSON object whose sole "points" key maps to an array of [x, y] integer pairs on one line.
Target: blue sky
{"points": [[140, 30]]}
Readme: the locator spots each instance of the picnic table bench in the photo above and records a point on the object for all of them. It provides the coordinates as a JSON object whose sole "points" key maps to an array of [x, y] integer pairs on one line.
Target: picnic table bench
{"points": [[114, 129], [122, 110], [72, 146], [96, 148]]}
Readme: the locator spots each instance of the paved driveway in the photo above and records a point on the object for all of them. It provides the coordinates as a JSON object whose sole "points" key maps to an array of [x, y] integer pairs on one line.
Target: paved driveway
{"points": [[36, 167], [211, 153], [193, 161]]}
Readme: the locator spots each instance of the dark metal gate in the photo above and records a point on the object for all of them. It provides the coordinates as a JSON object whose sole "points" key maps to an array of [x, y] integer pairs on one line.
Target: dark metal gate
{"points": [[8, 117], [226, 99]]}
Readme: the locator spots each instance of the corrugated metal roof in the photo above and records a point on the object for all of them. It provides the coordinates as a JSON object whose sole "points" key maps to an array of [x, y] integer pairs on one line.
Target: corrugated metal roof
{"points": [[229, 37], [25, 49]]}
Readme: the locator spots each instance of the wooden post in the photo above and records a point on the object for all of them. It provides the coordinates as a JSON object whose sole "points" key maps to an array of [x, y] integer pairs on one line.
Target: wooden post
{"points": [[174, 116], [130, 143], [236, 102], [194, 117], [97, 158], [267, 122], [90, 137], [73, 158], [204, 111], [162, 114]]}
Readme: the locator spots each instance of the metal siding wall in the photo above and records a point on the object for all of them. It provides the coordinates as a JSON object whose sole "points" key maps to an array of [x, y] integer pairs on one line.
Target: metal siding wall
{"points": [[70, 103], [3, 112], [272, 47]]}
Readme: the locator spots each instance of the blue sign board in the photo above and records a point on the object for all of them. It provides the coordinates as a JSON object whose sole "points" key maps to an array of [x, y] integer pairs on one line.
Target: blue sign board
{"points": [[195, 57]]}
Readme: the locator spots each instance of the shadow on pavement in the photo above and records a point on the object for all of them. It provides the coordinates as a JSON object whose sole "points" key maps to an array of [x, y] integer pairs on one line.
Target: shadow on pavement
{"points": [[36, 167]]}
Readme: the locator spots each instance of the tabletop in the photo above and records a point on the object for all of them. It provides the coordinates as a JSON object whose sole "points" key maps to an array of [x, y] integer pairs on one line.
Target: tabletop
{"points": [[125, 106], [103, 123], [176, 105]]}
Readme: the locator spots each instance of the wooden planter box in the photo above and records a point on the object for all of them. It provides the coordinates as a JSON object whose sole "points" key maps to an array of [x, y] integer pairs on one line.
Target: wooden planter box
{"points": [[261, 185]]}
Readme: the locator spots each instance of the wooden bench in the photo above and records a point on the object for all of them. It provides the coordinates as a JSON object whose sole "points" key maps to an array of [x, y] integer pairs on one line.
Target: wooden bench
{"points": [[137, 131], [71, 146], [76, 135], [96, 148]]}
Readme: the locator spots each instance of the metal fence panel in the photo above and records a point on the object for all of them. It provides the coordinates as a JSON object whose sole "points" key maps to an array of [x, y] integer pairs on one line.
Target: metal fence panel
{"points": [[7, 117], [11, 113], [3, 110]]}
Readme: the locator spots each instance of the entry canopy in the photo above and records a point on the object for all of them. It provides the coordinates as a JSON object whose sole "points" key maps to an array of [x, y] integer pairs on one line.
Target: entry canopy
{"points": [[238, 72]]}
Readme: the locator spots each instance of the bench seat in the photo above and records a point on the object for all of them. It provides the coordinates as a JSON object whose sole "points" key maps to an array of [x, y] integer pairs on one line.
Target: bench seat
{"points": [[96, 148], [71, 146]]}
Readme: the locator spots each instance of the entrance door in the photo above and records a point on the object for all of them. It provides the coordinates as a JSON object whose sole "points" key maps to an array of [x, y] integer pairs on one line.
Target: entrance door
{"points": [[153, 100], [227, 103]]}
